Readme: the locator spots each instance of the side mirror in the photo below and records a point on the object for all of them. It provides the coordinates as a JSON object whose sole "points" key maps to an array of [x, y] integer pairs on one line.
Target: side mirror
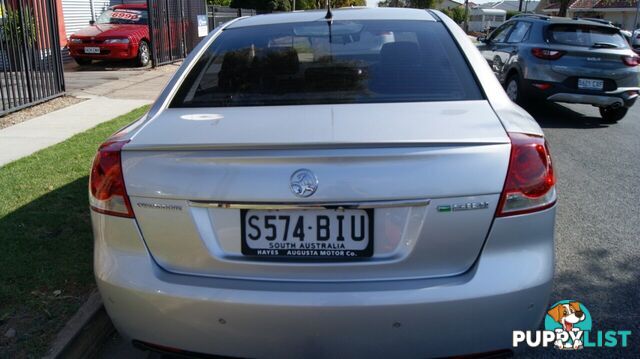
{"points": [[92, 22], [483, 38]]}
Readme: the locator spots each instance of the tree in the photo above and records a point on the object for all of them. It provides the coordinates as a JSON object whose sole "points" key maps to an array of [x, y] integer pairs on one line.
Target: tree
{"points": [[219, 2], [423, 4], [392, 3], [564, 5], [346, 3], [340, 3], [304, 4], [512, 13], [262, 5], [279, 5], [456, 14]]}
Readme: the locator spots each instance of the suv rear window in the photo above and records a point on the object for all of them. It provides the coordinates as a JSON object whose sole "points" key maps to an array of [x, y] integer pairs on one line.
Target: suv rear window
{"points": [[314, 63], [586, 35]]}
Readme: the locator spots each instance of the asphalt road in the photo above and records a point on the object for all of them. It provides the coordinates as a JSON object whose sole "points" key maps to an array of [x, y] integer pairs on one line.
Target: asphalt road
{"points": [[598, 224], [598, 221]]}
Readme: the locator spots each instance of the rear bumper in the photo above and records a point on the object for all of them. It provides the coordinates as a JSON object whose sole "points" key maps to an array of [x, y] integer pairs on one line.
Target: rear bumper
{"points": [[507, 289], [559, 92], [601, 101]]}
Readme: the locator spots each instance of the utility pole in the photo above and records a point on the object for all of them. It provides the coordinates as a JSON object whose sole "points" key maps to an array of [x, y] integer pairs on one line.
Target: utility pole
{"points": [[93, 12], [466, 16], [520, 6], [635, 21], [294, 5]]}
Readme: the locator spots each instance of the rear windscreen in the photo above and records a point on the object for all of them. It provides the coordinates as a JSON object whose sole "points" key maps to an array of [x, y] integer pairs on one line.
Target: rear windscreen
{"points": [[329, 62], [124, 16], [586, 35]]}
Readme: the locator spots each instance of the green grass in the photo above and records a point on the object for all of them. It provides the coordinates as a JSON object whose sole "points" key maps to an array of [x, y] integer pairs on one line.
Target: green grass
{"points": [[45, 239]]}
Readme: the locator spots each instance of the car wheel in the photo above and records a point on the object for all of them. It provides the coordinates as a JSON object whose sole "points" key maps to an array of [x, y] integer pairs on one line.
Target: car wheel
{"points": [[612, 115], [82, 61], [144, 54], [513, 89]]}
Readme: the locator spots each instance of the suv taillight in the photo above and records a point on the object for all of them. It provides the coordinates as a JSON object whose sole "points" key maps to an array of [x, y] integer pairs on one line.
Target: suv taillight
{"points": [[631, 60], [547, 54], [107, 193], [530, 184]]}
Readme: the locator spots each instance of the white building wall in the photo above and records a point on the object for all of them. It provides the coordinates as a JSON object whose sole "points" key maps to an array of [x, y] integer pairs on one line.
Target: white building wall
{"points": [[623, 18], [78, 13]]}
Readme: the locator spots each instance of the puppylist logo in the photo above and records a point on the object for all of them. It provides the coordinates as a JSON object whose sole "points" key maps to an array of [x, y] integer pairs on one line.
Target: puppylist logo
{"points": [[568, 326]]}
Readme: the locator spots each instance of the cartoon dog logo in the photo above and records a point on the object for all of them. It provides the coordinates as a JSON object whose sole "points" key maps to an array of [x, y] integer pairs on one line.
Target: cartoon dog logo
{"points": [[568, 315]]}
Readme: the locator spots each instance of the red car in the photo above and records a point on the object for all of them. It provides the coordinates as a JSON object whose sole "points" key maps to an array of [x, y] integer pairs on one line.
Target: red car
{"points": [[120, 33]]}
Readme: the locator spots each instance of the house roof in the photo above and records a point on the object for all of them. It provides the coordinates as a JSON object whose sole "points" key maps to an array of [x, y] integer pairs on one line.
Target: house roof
{"points": [[485, 11], [596, 4], [509, 5], [553, 6], [615, 4], [583, 4]]}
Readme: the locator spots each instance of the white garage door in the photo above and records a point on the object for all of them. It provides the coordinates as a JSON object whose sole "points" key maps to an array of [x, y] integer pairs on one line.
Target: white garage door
{"points": [[77, 13]]}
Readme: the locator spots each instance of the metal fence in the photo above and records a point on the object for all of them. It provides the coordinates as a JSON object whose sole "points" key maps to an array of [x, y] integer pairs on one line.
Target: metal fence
{"points": [[30, 56], [174, 28], [218, 15]]}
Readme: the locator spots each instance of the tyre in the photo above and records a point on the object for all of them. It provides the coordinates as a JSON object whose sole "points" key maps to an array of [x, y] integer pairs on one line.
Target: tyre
{"points": [[513, 89], [612, 115], [144, 54], [82, 61]]}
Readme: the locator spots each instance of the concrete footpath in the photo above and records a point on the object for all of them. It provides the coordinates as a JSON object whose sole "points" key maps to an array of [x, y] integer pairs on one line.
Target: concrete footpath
{"points": [[109, 97], [33, 135]]}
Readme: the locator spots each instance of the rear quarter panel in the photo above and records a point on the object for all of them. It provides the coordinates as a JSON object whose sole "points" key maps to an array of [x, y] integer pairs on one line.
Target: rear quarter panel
{"points": [[513, 117]]}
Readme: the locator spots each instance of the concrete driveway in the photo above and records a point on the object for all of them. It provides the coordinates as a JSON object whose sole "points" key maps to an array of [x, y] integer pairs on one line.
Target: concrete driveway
{"points": [[598, 224], [116, 80]]}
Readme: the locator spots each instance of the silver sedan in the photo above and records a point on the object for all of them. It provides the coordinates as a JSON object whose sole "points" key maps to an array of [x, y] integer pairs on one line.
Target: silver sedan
{"points": [[355, 184]]}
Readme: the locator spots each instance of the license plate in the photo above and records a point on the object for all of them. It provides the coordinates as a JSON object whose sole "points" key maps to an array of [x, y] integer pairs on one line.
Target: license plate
{"points": [[322, 233], [91, 50], [589, 84]]}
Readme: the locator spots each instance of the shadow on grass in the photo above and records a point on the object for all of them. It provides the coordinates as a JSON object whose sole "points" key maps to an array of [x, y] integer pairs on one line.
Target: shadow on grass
{"points": [[45, 267]]}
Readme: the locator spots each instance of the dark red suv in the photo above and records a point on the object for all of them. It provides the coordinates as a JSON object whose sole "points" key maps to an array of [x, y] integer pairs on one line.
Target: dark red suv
{"points": [[120, 33]]}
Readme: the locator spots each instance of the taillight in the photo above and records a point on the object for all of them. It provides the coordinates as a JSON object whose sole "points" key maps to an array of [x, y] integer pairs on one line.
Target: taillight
{"points": [[542, 85], [107, 193], [547, 54], [530, 184], [631, 60]]}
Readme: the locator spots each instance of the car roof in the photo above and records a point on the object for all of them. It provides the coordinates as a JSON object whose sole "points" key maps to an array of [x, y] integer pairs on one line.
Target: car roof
{"points": [[355, 13], [561, 20], [130, 6]]}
